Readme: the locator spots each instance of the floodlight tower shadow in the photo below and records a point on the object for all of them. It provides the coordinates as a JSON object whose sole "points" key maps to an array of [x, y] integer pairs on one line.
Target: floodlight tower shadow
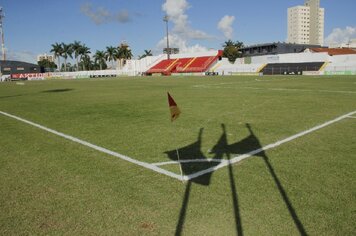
{"points": [[193, 151], [220, 149], [250, 143]]}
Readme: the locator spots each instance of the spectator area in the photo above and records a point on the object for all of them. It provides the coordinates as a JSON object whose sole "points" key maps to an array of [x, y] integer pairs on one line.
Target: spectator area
{"points": [[291, 68], [184, 65]]}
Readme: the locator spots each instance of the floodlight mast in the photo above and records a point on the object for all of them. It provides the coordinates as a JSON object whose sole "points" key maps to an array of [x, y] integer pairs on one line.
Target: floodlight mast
{"points": [[165, 19], [2, 34]]}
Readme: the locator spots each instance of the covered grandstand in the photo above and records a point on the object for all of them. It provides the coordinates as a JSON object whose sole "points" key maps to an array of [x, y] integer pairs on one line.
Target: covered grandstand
{"points": [[291, 68], [9, 67]]}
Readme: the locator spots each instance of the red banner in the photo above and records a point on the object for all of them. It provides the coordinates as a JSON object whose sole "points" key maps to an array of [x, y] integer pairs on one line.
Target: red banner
{"points": [[30, 76]]}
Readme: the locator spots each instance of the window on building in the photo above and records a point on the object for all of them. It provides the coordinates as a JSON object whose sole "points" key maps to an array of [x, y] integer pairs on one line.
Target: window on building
{"points": [[20, 68]]}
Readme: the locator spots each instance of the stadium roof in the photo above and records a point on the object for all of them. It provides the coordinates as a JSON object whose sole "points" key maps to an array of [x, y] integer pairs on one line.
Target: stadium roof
{"points": [[334, 51]]}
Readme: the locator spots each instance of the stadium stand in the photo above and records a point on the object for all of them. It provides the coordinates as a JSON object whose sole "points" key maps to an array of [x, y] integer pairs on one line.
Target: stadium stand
{"points": [[185, 65], [182, 64], [200, 64], [163, 66], [11, 67], [291, 68]]}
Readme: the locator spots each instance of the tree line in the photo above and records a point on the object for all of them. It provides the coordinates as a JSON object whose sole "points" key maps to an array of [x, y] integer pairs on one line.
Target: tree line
{"points": [[98, 61], [81, 53]]}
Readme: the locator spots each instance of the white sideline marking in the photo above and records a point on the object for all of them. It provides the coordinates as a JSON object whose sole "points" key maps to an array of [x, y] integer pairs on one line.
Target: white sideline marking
{"points": [[353, 117], [236, 82], [302, 90], [191, 176], [269, 146], [100, 149]]}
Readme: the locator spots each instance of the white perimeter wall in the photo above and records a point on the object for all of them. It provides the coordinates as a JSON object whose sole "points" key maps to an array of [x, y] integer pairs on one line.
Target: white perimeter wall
{"points": [[225, 67], [342, 63]]}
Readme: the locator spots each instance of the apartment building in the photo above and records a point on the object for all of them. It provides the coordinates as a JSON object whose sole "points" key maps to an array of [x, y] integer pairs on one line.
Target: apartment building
{"points": [[306, 23]]}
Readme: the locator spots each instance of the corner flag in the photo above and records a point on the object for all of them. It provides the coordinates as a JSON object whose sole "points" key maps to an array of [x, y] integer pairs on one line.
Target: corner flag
{"points": [[173, 108]]}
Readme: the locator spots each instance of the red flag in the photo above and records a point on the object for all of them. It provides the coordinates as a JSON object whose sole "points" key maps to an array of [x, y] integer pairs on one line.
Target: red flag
{"points": [[173, 108]]}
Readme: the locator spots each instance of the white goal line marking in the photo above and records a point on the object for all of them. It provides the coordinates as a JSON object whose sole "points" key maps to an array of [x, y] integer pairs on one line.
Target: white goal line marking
{"points": [[269, 146], [98, 148], [155, 167], [218, 86], [236, 82], [189, 161], [302, 90]]}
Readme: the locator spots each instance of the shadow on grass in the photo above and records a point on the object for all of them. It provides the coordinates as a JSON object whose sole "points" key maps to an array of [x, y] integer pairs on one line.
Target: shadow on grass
{"points": [[221, 150], [191, 152], [57, 90], [11, 96], [251, 143], [46, 91]]}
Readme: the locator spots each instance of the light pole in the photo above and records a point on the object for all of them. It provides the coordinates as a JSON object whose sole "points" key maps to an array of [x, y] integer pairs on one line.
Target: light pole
{"points": [[2, 34], [166, 18]]}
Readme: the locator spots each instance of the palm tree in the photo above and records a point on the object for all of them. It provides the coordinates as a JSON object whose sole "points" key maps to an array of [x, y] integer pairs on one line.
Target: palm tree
{"points": [[232, 50], [67, 52], [84, 55], [111, 55], [99, 57], [146, 54], [57, 51], [86, 62], [228, 43], [76, 46]]}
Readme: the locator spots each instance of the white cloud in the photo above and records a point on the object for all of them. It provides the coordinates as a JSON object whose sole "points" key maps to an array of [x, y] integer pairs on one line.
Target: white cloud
{"points": [[225, 26], [176, 41], [182, 32], [340, 36], [102, 15]]}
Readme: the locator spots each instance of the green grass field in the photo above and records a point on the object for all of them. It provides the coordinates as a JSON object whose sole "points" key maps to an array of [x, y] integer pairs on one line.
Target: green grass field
{"points": [[50, 185]]}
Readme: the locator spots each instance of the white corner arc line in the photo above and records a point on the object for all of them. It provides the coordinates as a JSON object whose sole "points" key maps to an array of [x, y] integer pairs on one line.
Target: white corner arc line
{"points": [[98, 148], [269, 146]]}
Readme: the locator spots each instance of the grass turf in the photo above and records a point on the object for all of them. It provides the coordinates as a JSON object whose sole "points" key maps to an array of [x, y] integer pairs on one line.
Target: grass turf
{"points": [[49, 185]]}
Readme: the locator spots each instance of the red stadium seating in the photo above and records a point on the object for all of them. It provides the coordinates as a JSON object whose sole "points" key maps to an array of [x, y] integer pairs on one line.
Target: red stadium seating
{"points": [[162, 66], [184, 65], [200, 64]]}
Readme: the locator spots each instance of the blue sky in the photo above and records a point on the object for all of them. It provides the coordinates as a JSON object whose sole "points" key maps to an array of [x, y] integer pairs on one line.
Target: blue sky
{"points": [[31, 26]]}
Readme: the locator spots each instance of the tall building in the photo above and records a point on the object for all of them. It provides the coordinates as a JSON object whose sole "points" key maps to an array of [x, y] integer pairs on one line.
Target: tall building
{"points": [[45, 57], [306, 23]]}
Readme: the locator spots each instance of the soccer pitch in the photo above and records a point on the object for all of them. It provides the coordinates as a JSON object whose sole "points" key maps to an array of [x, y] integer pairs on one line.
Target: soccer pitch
{"points": [[258, 155]]}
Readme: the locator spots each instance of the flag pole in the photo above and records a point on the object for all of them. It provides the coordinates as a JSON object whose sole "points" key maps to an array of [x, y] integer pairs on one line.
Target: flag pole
{"points": [[180, 164], [175, 111]]}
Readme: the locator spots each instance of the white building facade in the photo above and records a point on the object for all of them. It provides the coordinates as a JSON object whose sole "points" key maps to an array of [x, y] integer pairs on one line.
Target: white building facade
{"points": [[306, 23]]}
